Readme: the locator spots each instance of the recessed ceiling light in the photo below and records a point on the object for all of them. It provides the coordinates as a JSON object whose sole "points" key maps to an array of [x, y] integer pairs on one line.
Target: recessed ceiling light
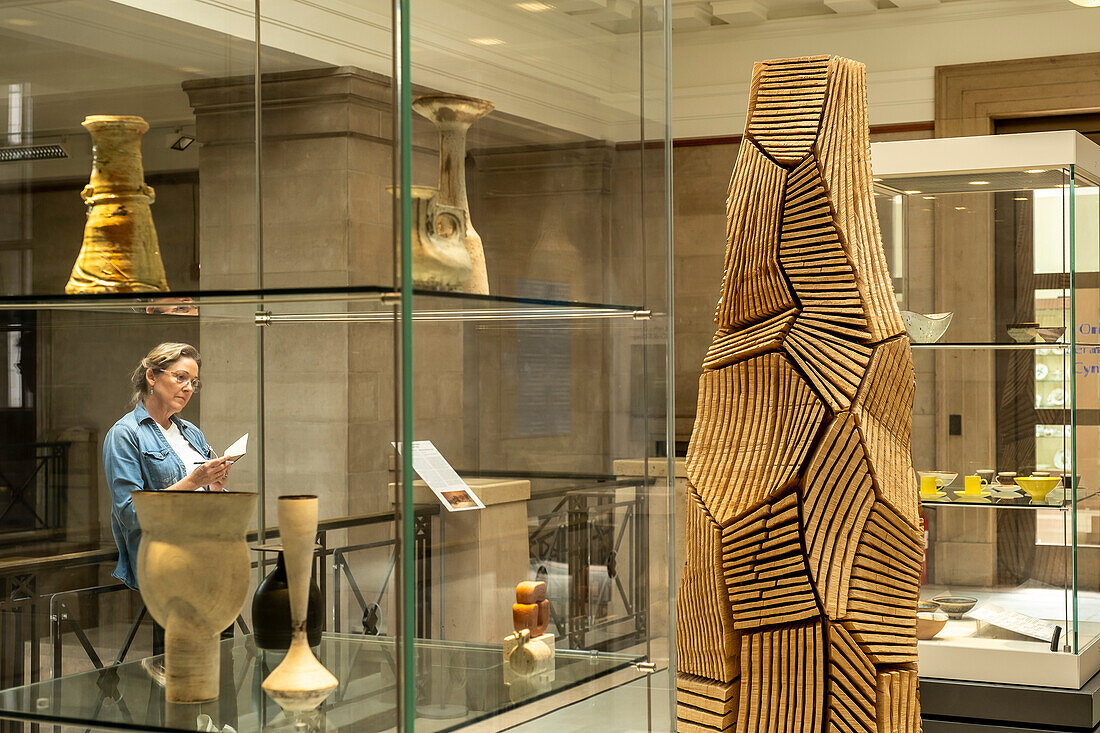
{"points": [[21, 22], [1020, 198], [928, 198], [911, 191], [979, 183], [487, 41], [1036, 170], [1087, 3], [960, 208], [533, 6]]}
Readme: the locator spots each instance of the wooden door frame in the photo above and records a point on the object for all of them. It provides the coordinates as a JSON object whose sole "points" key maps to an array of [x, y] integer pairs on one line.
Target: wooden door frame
{"points": [[970, 97]]}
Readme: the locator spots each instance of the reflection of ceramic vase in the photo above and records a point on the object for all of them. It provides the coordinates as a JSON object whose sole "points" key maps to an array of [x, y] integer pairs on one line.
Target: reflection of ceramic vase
{"points": [[453, 115], [271, 611], [300, 682], [120, 252], [440, 260], [193, 567]]}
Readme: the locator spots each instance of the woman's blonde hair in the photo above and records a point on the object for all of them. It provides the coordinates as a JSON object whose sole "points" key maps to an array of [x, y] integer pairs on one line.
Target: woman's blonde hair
{"points": [[158, 359]]}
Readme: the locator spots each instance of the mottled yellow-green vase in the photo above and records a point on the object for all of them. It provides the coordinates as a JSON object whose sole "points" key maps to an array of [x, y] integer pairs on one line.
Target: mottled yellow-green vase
{"points": [[120, 253]]}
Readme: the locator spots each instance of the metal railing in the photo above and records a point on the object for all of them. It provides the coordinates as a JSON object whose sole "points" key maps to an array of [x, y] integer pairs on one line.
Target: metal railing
{"points": [[595, 538], [21, 606], [592, 537], [39, 487]]}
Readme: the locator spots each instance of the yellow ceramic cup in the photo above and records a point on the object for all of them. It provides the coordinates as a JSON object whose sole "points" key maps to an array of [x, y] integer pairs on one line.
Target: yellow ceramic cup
{"points": [[930, 485], [973, 485]]}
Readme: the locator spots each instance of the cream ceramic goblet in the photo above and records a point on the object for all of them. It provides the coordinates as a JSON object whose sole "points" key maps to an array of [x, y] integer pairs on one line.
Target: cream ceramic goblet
{"points": [[192, 567]]}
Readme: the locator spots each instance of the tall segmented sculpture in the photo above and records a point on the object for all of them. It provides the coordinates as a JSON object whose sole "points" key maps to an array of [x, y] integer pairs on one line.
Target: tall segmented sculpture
{"points": [[797, 608]]}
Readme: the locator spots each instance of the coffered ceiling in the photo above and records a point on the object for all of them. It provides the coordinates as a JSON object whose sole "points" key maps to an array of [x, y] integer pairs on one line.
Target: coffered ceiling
{"points": [[694, 15]]}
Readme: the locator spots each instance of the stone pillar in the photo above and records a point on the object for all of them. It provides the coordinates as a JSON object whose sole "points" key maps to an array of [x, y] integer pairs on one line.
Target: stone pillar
{"points": [[327, 213], [483, 554], [327, 222]]}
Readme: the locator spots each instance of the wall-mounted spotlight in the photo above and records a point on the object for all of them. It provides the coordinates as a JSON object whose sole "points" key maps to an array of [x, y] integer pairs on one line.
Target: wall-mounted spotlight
{"points": [[179, 141]]}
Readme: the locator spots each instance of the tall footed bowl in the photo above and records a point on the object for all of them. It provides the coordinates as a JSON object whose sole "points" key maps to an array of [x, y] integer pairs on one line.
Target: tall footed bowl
{"points": [[193, 569], [453, 114], [120, 253], [300, 682]]}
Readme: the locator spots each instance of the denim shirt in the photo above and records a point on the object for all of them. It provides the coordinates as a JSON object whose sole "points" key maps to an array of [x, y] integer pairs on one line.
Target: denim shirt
{"points": [[137, 457]]}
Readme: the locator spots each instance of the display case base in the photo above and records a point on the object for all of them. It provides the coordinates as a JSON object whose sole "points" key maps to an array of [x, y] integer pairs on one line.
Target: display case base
{"points": [[955, 706], [1006, 661]]}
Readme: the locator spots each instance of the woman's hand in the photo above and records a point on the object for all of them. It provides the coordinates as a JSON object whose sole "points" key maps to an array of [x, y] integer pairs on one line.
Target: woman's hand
{"points": [[214, 473], [219, 485]]}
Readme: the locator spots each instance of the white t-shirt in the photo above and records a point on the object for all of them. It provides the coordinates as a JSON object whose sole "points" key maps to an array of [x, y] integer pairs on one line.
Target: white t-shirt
{"points": [[182, 448]]}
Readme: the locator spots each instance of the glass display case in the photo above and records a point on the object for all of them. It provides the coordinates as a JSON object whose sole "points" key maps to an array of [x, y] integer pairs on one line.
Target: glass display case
{"points": [[382, 226], [994, 244]]}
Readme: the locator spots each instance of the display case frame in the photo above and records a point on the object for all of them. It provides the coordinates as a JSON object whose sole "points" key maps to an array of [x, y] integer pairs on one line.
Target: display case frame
{"points": [[1000, 231], [275, 139]]}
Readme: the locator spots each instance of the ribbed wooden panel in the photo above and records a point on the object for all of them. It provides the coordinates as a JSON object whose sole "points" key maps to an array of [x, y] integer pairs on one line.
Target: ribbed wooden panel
{"points": [[730, 347], [753, 428], [765, 567], [884, 410], [844, 150], [837, 501], [702, 718], [898, 702], [783, 680], [827, 339], [686, 726], [704, 706], [753, 288], [853, 684], [882, 599], [706, 644], [785, 105]]}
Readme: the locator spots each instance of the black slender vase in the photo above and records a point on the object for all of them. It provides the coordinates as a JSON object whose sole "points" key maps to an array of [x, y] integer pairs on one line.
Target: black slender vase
{"points": [[271, 611]]}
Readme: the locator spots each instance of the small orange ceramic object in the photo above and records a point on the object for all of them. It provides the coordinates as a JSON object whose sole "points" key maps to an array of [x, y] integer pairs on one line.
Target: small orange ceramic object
{"points": [[544, 618], [531, 610], [531, 591], [525, 616]]}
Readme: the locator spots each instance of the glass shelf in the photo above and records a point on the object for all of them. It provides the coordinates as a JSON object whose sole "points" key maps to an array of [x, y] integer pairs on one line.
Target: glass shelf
{"points": [[344, 305], [1056, 499], [124, 697], [1000, 345]]}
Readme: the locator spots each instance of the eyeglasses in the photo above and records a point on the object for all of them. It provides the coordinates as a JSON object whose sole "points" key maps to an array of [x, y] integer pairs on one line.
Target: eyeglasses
{"points": [[181, 378]]}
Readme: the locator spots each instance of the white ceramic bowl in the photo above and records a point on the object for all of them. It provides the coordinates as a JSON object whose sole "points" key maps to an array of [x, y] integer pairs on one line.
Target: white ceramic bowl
{"points": [[925, 328], [947, 477], [955, 606]]}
